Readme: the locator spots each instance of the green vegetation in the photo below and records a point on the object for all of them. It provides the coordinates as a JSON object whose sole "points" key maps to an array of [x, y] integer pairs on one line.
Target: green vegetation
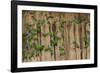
{"points": [[49, 26]]}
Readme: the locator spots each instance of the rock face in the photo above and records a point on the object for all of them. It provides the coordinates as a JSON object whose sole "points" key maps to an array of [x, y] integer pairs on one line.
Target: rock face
{"points": [[55, 36]]}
